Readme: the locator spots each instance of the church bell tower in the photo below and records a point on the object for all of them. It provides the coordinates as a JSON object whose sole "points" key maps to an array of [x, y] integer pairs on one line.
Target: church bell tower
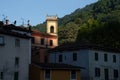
{"points": [[52, 24]]}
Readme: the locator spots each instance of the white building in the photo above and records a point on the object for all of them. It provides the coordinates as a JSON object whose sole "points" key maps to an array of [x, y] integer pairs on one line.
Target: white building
{"points": [[15, 52], [99, 63]]}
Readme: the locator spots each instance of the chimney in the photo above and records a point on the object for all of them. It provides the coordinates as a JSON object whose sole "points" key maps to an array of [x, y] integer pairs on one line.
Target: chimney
{"points": [[7, 22]]}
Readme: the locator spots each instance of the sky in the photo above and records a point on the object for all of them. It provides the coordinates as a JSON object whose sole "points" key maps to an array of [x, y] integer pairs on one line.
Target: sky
{"points": [[36, 10]]}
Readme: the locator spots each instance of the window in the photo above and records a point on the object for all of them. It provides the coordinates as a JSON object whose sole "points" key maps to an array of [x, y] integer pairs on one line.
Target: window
{"points": [[97, 72], [52, 29], [60, 58], [47, 74], [46, 59], [74, 56], [1, 75], [1, 40], [16, 75], [42, 41], [105, 57], [37, 53], [96, 56], [73, 75], [106, 74], [65, 57], [115, 73], [33, 40], [114, 58], [17, 42], [16, 61], [51, 42]]}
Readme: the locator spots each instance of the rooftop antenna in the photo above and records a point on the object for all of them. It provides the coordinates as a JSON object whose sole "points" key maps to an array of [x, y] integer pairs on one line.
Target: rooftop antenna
{"points": [[23, 21], [28, 24], [4, 18]]}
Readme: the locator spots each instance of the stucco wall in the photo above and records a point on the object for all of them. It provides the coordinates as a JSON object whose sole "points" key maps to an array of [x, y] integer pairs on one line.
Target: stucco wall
{"points": [[86, 59], [9, 51], [82, 59], [109, 64], [38, 74], [52, 23], [46, 41], [60, 75]]}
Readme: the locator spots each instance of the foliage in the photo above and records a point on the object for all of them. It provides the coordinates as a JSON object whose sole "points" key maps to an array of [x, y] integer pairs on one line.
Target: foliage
{"points": [[106, 35], [68, 33], [40, 27], [97, 23]]}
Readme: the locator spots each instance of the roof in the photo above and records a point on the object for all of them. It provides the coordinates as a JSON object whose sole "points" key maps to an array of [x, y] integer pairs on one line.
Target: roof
{"points": [[42, 34], [58, 66], [78, 46], [8, 30], [13, 27]]}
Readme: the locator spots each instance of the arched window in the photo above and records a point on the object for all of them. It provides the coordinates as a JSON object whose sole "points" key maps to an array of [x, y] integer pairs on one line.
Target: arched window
{"points": [[52, 29]]}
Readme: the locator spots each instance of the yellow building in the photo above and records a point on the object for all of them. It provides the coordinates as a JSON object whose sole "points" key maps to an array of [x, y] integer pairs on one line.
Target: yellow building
{"points": [[54, 71]]}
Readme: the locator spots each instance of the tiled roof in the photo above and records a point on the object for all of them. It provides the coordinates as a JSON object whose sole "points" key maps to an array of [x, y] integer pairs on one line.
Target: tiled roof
{"points": [[57, 66], [78, 46], [7, 30], [14, 34], [13, 27], [42, 34]]}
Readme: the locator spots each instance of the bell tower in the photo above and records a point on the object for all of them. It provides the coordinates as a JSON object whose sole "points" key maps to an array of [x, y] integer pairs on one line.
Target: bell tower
{"points": [[52, 24], [52, 29]]}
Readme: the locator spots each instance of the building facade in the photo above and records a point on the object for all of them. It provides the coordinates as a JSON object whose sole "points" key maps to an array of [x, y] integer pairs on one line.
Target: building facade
{"points": [[15, 52], [41, 42], [99, 63], [54, 71]]}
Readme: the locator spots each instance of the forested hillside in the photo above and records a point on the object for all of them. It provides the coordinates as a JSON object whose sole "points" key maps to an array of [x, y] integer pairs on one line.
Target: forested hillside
{"points": [[97, 23]]}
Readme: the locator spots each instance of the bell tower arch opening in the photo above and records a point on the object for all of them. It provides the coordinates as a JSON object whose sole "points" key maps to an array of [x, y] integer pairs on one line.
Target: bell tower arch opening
{"points": [[52, 29]]}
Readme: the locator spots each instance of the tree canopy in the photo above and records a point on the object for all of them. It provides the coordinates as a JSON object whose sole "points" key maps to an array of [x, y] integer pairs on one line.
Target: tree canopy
{"points": [[97, 23]]}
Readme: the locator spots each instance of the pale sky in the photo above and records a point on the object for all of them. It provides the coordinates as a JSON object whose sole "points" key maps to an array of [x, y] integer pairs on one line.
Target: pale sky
{"points": [[36, 10]]}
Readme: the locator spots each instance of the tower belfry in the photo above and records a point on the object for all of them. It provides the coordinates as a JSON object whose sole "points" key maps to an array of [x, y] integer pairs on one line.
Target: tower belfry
{"points": [[52, 24]]}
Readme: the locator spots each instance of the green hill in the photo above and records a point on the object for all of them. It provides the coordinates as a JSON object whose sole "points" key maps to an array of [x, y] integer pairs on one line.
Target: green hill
{"points": [[97, 23]]}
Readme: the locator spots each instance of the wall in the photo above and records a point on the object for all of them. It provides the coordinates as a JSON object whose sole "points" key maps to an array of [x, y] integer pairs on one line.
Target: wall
{"points": [[39, 57], [86, 59], [82, 60], [42, 48], [63, 75], [46, 42], [60, 75], [52, 23], [9, 51], [102, 64], [38, 74]]}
